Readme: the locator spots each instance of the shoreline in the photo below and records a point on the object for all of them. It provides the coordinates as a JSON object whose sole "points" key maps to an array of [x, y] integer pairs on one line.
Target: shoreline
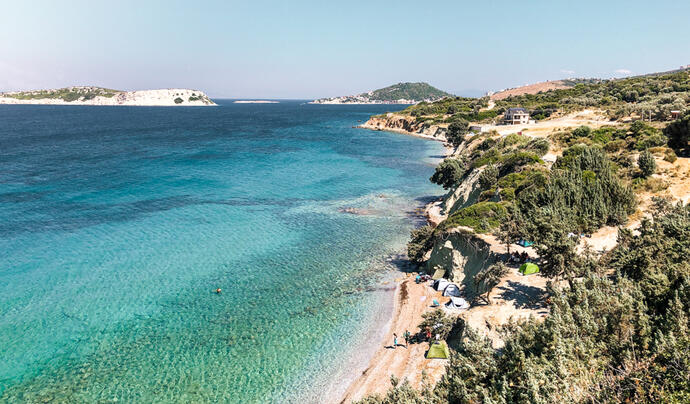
{"points": [[410, 301], [402, 132]]}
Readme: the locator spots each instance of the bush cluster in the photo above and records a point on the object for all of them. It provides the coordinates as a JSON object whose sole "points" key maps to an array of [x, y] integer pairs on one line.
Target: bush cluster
{"points": [[612, 339]]}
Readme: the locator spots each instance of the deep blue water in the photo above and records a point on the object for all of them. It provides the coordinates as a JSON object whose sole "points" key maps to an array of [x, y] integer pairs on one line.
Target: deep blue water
{"points": [[117, 223]]}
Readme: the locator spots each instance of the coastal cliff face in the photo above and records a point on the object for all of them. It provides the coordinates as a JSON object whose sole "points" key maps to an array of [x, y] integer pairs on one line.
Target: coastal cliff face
{"points": [[464, 194], [405, 124], [462, 256], [101, 96]]}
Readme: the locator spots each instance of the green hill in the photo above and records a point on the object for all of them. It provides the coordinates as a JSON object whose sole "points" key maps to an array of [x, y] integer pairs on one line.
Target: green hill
{"points": [[401, 93], [408, 91]]}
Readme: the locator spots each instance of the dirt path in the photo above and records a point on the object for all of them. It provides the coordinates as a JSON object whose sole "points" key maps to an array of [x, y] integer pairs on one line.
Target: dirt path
{"points": [[592, 118]]}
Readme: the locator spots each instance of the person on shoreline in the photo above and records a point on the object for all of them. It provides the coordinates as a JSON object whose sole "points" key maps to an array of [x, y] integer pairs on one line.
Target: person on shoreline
{"points": [[406, 335], [395, 340]]}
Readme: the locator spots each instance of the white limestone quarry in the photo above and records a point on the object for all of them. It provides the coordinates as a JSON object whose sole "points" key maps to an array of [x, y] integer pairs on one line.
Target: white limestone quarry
{"points": [[101, 96]]}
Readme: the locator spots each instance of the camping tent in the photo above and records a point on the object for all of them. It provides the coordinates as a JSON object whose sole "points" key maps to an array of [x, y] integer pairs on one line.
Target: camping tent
{"points": [[440, 284], [438, 350], [457, 303], [525, 243], [452, 290], [439, 273], [529, 268]]}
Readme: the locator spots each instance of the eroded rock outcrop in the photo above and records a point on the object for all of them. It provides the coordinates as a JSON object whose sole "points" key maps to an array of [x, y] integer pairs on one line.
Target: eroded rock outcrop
{"points": [[405, 124], [464, 194], [462, 255]]}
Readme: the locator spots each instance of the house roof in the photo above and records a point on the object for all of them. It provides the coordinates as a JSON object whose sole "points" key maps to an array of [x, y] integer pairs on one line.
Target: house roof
{"points": [[514, 110]]}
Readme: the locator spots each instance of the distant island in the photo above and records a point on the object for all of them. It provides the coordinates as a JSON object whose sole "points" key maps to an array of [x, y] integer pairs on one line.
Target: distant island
{"points": [[88, 95], [401, 93]]}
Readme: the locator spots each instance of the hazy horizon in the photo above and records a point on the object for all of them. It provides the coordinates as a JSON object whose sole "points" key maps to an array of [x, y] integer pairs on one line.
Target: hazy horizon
{"points": [[312, 50]]}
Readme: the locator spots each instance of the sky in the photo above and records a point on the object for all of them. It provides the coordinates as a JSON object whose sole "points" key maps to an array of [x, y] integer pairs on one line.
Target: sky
{"points": [[310, 49]]}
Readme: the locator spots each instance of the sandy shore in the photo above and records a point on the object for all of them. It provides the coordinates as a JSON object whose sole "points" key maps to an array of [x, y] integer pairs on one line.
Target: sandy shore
{"points": [[411, 301]]}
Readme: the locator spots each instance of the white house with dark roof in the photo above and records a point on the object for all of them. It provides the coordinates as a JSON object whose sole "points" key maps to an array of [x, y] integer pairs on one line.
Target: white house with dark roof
{"points": [[516, 116]]}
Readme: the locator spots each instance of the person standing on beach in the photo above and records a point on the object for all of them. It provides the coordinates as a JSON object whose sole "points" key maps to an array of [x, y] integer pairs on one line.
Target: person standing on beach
{"points": [[395, 340], [406, 335]]}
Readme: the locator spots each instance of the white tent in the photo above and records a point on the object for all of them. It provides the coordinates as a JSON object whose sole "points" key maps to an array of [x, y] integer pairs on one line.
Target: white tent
{"points": [[457, 303], [452, 290], [441, 284]]}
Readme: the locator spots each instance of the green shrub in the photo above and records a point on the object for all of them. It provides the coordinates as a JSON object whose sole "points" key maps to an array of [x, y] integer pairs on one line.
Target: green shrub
{"points": [[512, 180], [678, 134], [615, 145], [491, 156], [421, 241], [574, 198], [513, 139], [481, 217], [487, 143], [486, 195], [449, 173], [488, 177], [646, 163], [178, 100], [507, 194], [582, 131], [516, 159], [538, 146]]}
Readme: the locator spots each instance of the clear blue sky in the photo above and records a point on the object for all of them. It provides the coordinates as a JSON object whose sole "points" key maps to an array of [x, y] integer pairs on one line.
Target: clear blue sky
{"points": [[307, 49]]}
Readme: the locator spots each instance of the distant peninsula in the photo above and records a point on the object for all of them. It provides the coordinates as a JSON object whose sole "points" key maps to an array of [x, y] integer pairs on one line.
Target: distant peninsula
{"points": [[401, 93], [88, 95]]}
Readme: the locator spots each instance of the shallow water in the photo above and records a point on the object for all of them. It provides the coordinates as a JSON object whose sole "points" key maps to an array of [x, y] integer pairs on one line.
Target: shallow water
{"points": [[117, 223]]}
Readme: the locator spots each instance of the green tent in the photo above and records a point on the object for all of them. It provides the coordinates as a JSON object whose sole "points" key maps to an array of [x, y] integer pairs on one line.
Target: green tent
{"points": [[439, 273], [529, 268], [438, 350]]}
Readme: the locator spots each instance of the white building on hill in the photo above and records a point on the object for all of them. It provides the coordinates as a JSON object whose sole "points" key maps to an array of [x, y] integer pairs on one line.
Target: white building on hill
{"points": [[516, 116]]}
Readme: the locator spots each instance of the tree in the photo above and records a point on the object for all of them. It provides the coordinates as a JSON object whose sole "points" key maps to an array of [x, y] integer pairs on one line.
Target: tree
{"points": [[646, 163], [509, 231], [437, 322], [489, 277], [488, 177], [421, 241], [455, 134], [557, 252], [449, 173], [678, 133]]}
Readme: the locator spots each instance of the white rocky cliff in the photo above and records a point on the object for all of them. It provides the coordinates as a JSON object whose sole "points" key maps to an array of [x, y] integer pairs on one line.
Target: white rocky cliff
{"points": [[103, 96]]}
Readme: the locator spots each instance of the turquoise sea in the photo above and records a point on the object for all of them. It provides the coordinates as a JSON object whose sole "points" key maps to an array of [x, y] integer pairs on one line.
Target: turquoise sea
{"points": [[118, 223]]}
